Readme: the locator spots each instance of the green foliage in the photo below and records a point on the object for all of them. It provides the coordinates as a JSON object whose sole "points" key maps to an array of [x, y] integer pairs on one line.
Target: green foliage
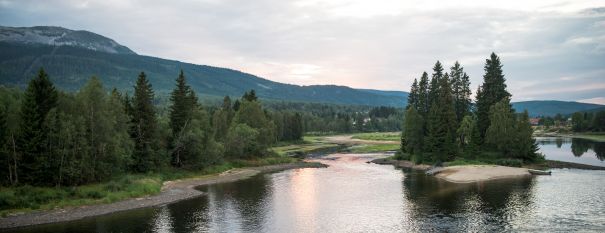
{"points": [[242, 142], [441, 124], [492, 91], [449, 129], [461, 91], [413, 132], [144, 127], [39, 99], [501, 132]]}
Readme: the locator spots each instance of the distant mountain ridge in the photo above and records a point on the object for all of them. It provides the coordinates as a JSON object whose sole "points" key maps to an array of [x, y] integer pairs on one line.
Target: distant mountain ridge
{"points": [[58, 36], [553, 107], [72, 57]]}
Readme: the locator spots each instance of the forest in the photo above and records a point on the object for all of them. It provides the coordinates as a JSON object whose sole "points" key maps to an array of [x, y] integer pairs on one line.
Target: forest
{"points": [[55, 138], [442, 125]]}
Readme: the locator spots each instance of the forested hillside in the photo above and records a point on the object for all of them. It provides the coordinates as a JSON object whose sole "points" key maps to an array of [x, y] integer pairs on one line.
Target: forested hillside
{"points": [[73, 66]]}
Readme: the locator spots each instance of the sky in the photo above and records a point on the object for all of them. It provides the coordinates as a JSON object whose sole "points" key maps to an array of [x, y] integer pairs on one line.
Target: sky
{"points": [[550, 49]]}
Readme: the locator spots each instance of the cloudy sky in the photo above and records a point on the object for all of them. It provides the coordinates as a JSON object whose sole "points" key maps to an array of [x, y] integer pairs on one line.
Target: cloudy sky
{"points": [[551, 49]]}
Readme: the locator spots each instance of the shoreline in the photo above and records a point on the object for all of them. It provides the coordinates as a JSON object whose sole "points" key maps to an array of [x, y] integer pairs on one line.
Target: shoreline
{"points": [[172, 191]]}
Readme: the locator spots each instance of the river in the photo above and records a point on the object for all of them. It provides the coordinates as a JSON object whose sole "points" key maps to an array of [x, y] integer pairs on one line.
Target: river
{"points": [[354, 196]]}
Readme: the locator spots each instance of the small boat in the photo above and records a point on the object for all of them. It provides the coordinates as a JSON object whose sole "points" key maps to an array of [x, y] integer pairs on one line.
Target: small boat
{"points": [[538, 172]]}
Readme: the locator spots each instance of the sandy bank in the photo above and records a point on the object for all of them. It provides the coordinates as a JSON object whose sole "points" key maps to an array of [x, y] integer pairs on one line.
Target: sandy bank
{"points": [[474, 173], [172, 191]]}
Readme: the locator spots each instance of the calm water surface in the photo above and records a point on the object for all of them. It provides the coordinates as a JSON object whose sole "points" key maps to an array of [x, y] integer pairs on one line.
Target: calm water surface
{"points": [[354, 196]]}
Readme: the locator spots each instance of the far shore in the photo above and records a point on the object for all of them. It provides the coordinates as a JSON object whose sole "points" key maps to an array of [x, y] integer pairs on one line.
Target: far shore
{"points": [[172, 191]]}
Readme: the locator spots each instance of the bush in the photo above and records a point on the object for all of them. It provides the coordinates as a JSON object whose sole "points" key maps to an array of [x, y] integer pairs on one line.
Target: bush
{"points": [[510, 162]]}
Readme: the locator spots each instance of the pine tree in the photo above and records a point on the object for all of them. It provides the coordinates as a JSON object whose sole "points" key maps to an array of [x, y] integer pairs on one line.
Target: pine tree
{"points": [[433, 91], [144, 125], [39, 98], [413, 134], [423, 95], [461, 91], [250, 96], [413, 96], [184, 104], [442, 124], [493, 90]]}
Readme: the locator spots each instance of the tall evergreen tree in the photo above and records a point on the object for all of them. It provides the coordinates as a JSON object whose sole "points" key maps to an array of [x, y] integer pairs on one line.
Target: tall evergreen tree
{"points": [[144, 131], [433, 91], [40, 97], [183, 106], [493, 90], [413, 134], [413, 96], [423, 95], [461, 91], [441, 139]]}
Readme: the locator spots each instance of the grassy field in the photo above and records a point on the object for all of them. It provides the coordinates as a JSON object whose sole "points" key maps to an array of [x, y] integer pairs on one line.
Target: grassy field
{"points": [[375, 148], [595, 137], [309, 144], [379, 136], [28, 198]]}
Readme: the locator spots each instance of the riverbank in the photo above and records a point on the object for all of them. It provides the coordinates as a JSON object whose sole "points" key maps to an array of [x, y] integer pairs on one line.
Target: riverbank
{"points": [[171, 191], [477, 173], [599, 137]]}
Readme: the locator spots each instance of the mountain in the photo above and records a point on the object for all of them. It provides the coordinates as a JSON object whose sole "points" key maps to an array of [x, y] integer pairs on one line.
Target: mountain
{"points": [[72, 57], [552, 107], [58, 36], [24, 50]]}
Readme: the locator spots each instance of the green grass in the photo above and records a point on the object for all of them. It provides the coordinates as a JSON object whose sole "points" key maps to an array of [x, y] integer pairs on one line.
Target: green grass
{"points": [[600, 137], [307, 145], [379, 136], [27, 198], [374, 148]]}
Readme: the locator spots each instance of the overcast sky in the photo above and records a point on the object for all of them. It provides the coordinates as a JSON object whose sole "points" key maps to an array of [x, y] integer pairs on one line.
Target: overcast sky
{"points": [[551, 49]]}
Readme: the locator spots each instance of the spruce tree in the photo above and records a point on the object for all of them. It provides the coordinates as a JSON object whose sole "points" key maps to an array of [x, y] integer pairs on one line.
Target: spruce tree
{"points": [[183, 101], [183, 105], [442, 124], [433, 91], [413, 134], [461, 91], [39, 98], [525, 146], [144, 131], [423, 95], [413, 96], [493, 90]]}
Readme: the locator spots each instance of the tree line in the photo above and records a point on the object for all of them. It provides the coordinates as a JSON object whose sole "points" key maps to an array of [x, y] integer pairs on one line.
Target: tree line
{"points": [[441, 123], [53, 138], [588, 121]]}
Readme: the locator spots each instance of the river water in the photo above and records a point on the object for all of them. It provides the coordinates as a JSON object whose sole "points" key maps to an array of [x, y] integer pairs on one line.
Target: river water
{"points": [[354, 196]]}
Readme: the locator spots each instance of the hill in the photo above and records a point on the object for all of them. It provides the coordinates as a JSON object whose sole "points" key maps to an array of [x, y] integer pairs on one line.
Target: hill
{"points": [[72, 57], [71, 60], [552, 107]]}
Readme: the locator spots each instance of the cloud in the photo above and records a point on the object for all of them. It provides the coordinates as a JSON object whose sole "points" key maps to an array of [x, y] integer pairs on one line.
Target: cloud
{"points": [[382, 44], [596, 100]]}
